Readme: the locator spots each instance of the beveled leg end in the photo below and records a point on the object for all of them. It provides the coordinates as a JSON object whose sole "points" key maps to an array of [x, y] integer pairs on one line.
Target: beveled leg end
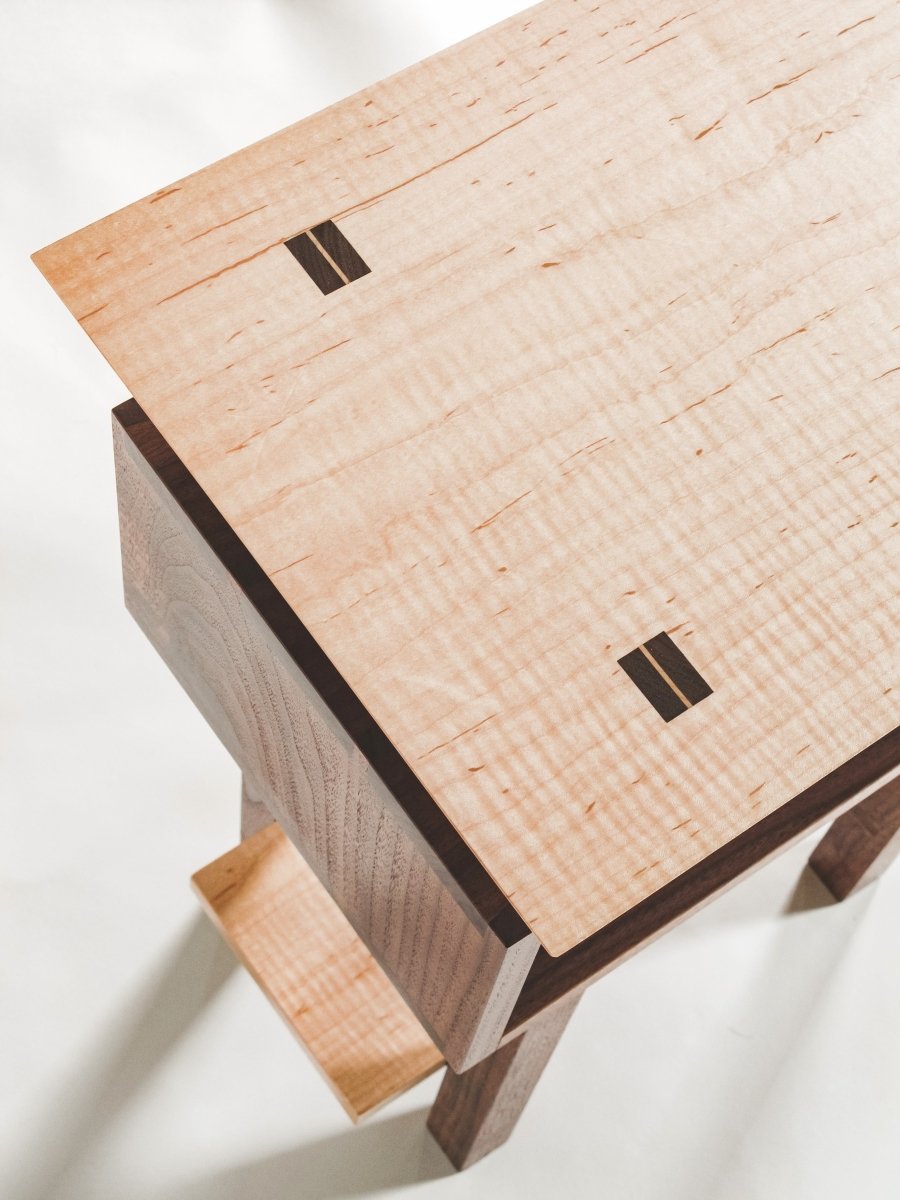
{"points": [[475, 1112], [861, 844]]}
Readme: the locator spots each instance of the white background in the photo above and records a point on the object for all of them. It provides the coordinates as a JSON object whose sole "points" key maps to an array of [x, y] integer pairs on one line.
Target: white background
{"points": [[753, 1054]]}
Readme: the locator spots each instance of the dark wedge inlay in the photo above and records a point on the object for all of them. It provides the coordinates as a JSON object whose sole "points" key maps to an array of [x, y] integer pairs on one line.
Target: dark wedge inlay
{"points": [[663, 674], [327, 257]]}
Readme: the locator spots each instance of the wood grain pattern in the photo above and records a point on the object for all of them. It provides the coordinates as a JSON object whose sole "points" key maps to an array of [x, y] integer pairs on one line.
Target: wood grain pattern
{"points": [[476, 1112], [459, 971], [678, 668], [630, 360], [196, 512], [342, 254], [551, 980], [254, 814], [306, 957], [861, 844]]}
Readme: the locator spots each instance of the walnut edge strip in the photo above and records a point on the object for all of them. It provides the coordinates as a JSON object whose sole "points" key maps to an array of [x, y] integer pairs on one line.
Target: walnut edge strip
{"points": [[551, 980], [470, 880]]}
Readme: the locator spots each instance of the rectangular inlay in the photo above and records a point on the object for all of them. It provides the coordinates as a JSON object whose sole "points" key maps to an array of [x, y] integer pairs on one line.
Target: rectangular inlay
{"points": [[327, 257], [663, 674]]}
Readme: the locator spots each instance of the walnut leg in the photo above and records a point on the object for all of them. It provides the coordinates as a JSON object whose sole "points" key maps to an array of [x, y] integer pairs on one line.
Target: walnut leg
{"points": [[861, 843], [476, 1112], [254, 814]]}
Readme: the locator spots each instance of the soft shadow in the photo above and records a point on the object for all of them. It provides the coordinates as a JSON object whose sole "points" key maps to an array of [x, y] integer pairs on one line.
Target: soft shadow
{"points": [[809, 893], [393, 1152], [182, 986], [780, 1010], [360, 44], [759, 894]]}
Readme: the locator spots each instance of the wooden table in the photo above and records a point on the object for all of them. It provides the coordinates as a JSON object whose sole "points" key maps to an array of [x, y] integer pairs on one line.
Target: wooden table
{"points": [[512, 482]]}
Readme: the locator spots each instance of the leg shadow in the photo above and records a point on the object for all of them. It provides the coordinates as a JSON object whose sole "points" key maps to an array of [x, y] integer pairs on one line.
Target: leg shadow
{"points": [[182, 987], [809, 893], [390, 1153], [778, 1013]]}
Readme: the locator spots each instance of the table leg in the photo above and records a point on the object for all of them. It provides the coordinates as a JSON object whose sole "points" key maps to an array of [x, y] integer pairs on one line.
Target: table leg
{"points": [[861, 843], [476, 1112], [254, 814], [415, 894]]}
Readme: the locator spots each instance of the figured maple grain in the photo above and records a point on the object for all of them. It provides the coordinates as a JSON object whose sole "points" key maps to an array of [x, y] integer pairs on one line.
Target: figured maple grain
{"points": [[627, 359], [855, 785], [459, 975], [317, 972]]}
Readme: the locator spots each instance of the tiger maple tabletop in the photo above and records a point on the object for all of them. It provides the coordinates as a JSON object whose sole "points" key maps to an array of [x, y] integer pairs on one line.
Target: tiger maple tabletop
{"points": [[547, 395]]}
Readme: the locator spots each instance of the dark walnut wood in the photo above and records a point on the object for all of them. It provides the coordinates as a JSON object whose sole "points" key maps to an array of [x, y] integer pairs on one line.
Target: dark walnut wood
{"points": [[414, 894], [861, 844], [476, 1112], [254, 814], [315, 264], [647, 679], [549, 980]]}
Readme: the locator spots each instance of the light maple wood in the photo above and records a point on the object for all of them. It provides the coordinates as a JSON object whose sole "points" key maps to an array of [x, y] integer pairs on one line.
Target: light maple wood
{"points": [[861, 844], [549, 979], [306, 957], [627, 360], [476, 1112], [459, 974], [873, 772]]}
